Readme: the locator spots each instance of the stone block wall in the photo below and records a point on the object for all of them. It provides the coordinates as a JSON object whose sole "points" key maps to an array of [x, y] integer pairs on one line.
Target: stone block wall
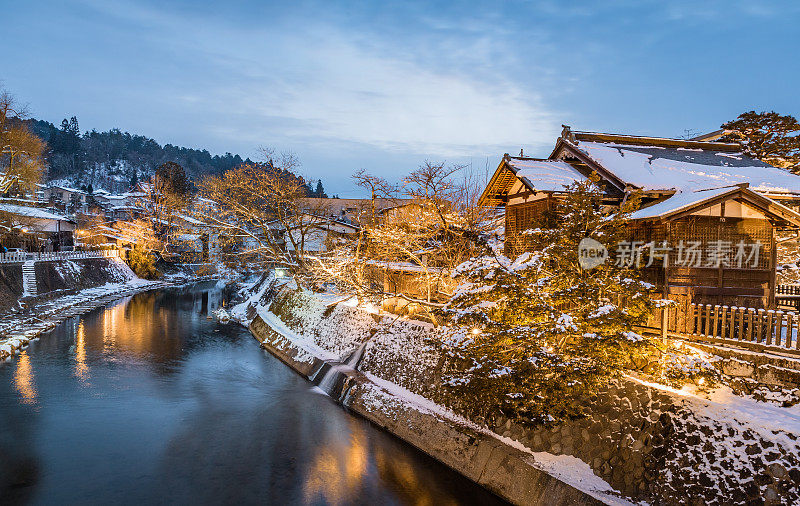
{"points": [[648, 442]]}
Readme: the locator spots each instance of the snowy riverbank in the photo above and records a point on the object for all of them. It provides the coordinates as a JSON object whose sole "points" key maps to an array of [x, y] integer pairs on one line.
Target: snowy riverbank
{"points": [[647, 440], [19, 328], [502, 465]]}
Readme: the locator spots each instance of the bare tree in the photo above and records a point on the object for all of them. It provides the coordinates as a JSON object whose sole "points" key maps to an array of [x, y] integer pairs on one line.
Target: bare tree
{"points": [[261, 211], [21, 152], [437, 226]]}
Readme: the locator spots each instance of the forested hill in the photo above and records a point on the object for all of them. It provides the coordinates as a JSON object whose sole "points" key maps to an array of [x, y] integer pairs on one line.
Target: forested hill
{"points": [[114, 160]]}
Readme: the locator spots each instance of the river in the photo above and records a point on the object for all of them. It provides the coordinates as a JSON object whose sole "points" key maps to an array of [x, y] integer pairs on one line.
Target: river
{"points": [[150, 401]]}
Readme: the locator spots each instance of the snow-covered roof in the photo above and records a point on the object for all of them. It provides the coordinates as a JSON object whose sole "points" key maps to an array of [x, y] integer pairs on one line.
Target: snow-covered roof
{"points": [[67, 189], [667, 168], [193, 221], [680, 201], [688, 199], [32, 212], [545, 175]]}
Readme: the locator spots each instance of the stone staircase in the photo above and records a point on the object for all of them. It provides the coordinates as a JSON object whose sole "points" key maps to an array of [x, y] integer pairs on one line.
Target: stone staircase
{"points": [[29, 279]]}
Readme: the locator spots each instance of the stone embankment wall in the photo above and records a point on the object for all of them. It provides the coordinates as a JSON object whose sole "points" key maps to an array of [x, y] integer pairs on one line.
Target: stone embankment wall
{"points": [[10, 285], [60, 275], [649, 442], [501, 468], [77, 274]]}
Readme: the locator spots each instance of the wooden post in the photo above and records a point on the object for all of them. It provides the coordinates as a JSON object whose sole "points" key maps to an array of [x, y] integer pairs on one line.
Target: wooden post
{"points": [[741, 334], [750, 330], [779, 328], [664, 316], [722, 320], [714, 319], [794, 332], [759, 322], [770, 318]]}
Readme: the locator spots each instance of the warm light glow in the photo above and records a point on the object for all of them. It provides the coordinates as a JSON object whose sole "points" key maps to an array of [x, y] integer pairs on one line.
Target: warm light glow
{"points": [[476, 331], [81, 369], [23, 379], [701, 381], [337, 473]]}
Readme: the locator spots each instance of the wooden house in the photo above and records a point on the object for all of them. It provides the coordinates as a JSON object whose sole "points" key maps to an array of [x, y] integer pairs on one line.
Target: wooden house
{"points": [[699, 195]]}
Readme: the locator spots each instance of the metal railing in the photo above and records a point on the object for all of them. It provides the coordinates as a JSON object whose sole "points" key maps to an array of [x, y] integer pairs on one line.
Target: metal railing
{"points": [[22, 256]]}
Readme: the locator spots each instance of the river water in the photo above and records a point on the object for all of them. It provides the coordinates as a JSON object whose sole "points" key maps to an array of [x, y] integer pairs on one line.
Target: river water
{"points": [[149, 401]]}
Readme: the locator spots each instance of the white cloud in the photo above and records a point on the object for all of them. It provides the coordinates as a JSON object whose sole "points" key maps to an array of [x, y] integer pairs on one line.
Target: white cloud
{"points": [[290, 83], [340, 91]]}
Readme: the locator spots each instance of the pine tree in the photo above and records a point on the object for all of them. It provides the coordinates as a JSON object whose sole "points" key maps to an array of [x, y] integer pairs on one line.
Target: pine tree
{"points": [[768, 136], [539, 334], [320, 191], [73, 127]]}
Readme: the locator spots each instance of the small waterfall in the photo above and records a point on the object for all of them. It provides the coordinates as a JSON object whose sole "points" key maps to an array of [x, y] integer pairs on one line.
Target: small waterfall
{"points": [[328, 375], [328, 381], [355, 357]]}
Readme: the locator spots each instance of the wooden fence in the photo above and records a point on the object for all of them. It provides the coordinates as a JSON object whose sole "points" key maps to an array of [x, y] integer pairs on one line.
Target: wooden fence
{"points": [[755, 328], [788, 296]]}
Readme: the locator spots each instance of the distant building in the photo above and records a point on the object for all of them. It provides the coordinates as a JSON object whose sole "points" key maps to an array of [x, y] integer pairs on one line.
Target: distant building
{"points": [[348, 210], [36, 228]]}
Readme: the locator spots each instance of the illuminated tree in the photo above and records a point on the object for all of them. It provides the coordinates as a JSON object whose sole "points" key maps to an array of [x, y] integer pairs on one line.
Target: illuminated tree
{"points": [[539, 334], [22, 162], [261, 212]]}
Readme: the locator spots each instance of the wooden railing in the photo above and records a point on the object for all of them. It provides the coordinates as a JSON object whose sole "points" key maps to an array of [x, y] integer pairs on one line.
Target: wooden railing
{"points": [[759, 328], [21, 256], [788, 296]]}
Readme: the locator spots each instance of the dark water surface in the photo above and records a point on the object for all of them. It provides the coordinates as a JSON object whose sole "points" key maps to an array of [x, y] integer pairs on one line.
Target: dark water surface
{"points": [[149, 401]]}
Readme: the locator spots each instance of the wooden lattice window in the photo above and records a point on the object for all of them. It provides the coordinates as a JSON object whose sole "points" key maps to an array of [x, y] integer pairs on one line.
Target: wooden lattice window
{"points": [[521, 217]]}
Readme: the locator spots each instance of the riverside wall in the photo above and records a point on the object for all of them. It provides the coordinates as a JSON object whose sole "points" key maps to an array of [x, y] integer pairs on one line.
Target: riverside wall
{"points": [[501, 468], [649, 442]]}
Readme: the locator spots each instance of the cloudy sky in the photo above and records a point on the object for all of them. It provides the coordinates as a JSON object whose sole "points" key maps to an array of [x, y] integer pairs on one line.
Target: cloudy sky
{"points": [[386, 85]]}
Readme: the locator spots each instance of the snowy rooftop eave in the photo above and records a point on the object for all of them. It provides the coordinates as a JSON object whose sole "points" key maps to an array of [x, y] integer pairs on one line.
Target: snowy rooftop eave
{"points": [[33, 212], [685, 201], [544, 175], [660, 168]]}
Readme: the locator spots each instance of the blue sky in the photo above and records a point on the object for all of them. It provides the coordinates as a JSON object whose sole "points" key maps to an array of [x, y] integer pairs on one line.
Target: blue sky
{"points": [[386, 85]]}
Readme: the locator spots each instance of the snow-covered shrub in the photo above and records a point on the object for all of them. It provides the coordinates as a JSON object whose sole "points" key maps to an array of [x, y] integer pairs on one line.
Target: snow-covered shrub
{"points": [[540, 334]]}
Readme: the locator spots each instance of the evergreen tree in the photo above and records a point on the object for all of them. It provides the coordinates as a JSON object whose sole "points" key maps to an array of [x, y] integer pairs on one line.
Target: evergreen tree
{"points": [[73, 127], [320, 191], [768, 136], [172, 177], [541, 333]]}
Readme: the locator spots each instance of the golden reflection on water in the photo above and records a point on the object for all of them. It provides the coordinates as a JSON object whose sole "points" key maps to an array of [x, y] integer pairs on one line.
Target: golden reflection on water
{"points": [[397, 467], [337, 474], [23, 379], [81, 368], [139, 327]]}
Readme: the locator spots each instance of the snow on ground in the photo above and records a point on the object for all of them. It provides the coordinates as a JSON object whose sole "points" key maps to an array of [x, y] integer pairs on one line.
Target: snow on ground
{"points": [[297, 340], [723, 405], [331, 326]]}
